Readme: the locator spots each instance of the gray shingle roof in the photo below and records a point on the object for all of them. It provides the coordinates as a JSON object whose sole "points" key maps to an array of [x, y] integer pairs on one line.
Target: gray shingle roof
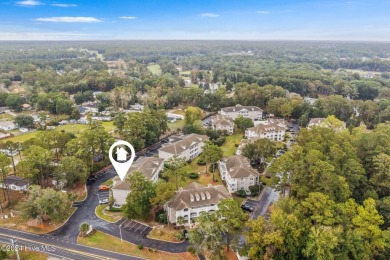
{"points": [[197, 195], [177, 147], [239, 166], [222, 120], [146, 165], [240, 108], [262, 129]]}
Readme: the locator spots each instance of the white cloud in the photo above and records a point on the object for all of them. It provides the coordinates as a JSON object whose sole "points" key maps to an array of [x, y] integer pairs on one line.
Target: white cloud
{"points": [[263, 12], [63, 5], [68, 19], [45, 36], [29, 3], [128, 17], [209, 15]]}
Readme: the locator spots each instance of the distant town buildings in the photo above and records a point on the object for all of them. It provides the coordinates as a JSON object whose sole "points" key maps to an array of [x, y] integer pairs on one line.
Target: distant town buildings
{"points": [[7, 125], [15, 183]]}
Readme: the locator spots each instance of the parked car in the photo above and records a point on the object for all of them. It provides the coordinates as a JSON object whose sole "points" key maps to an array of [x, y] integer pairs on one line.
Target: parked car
{"points": [[116, 206], [104, 187], [103, 201], [247, 208]]}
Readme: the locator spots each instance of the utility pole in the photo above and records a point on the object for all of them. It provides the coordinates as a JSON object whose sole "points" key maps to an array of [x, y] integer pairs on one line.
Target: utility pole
{"points": [[13, 241]]}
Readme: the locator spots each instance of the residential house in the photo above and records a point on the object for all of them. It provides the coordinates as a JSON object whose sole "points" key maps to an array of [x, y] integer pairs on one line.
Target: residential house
{"points": [[189, 202], [309, 100], [7, 125], [175, 116], [137, 106], [223, 123], [15, 183], [188, 147], [82, 110], [315, 122], [271, 131], [238, 174], [252, 112], [150, 167]]}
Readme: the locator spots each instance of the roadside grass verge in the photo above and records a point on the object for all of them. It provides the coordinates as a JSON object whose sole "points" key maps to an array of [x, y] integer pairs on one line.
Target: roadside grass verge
{"points": [[108, 216], [100, 240]]}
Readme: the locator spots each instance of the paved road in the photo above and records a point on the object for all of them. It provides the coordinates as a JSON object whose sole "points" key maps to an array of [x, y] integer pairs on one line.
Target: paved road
{"points": [[62, 248], [268, 196]]}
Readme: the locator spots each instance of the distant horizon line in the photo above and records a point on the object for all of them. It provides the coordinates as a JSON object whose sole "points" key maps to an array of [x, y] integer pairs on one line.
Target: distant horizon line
{"points": [[197, 40]]}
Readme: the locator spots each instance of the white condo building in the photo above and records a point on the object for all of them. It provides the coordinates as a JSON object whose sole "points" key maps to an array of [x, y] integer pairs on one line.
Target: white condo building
{"points": [[238, 174], [252, 112], [189, 202]]}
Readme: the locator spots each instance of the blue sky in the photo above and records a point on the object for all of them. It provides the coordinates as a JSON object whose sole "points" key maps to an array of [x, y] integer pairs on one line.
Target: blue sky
{"points": [[358, 20]]}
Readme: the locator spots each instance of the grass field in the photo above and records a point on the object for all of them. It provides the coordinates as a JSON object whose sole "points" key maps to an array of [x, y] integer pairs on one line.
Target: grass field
{"points": [[176, 125], [155, 69], [186, 74], [229, 147], [203, 179], [76, 129], [106, 242], [20, 223], [166, 233], [6, 117]]}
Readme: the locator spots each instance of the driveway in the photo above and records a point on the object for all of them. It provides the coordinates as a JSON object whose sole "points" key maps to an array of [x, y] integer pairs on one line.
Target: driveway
{"points": [[267, 197]]}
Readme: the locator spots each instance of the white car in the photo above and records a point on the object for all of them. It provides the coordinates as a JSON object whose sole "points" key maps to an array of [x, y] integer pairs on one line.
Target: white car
{"points": [[103, 201]]}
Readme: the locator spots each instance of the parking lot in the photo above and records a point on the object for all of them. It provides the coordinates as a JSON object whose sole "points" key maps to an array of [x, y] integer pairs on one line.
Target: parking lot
{"points": [[102, 195], [135, 227]]}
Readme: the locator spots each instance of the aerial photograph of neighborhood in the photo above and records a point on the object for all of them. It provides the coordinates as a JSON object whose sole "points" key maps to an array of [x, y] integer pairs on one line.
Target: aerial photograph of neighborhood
{"points": [[194, 130]]}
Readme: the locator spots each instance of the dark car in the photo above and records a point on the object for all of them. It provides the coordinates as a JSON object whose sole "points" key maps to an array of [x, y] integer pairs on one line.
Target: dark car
{"points": [[247, 208]]}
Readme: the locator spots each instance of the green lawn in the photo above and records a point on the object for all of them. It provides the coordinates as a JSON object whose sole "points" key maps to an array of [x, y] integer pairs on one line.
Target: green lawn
{"points": [[203, 179], [176, 125], [6, 117], [107, 215], [107, 242], [229, 147], [185, 74], [155, 69], [76, 129]]}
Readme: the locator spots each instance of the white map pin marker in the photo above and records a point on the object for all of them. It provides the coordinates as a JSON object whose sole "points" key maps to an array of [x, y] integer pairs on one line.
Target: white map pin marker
{"points": [[121, 168]]}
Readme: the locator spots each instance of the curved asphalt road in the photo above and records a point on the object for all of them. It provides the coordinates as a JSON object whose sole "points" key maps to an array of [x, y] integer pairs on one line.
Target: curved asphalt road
{"points": [[86, 213]]}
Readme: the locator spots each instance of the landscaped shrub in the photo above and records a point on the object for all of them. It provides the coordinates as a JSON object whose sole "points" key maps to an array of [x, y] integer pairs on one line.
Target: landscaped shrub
{"points": [[191, 250], [254, 189], [201, 161], [140, 246], [241, 193], [179, 236], [220, 140], [193, 175]]}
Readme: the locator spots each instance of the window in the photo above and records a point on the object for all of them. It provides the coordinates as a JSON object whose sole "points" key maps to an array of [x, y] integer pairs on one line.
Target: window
{"points": [[186, 209]]}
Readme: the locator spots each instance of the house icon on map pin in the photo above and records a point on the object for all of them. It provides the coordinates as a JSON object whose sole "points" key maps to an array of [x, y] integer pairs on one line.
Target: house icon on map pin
{"points": [[121, 154]]}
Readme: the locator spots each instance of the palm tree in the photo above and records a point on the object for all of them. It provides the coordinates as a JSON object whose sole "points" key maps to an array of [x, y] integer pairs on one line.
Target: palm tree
{"points": [[84, 227]]}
